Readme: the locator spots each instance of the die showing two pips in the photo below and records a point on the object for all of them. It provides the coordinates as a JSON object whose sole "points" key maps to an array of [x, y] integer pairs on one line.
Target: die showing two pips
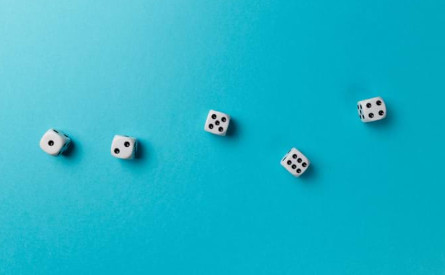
{"points": [[123, 147]]}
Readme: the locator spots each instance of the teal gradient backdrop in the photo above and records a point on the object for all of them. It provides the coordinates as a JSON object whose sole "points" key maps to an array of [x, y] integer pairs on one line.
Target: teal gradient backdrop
{"points": [[288, 72]]}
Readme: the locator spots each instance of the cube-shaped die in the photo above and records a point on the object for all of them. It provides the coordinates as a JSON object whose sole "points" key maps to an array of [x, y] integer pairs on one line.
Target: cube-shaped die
{"points": [[217, 123], [295, 162], [54, 142], [371, 109], [123, 147]]}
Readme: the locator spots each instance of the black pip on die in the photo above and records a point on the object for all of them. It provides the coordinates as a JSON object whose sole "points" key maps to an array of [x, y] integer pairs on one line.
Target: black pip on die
{"points": [[372, 109], [295, 162], [54, 142], [217, 123], [123, 147]]}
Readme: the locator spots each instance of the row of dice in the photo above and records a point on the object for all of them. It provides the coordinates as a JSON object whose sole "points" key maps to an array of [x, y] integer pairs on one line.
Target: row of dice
{"points": [[55, 142]]}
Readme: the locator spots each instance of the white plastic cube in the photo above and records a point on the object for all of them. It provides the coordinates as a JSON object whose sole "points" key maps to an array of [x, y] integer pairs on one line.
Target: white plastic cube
{"points": [[372, 109], [123, 147], [217, 123], [295, 162], [54, 142]]}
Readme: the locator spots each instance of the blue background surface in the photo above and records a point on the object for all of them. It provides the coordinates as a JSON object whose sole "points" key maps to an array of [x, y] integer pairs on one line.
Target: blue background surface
{"points": [[288, 72]]}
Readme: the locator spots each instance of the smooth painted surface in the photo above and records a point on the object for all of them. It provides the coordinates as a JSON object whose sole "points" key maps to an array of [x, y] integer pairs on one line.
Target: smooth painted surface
{"points": [[288, 72]]}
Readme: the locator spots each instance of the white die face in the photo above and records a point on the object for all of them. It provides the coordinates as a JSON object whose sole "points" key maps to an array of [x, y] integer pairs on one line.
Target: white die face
{"points": [[54, 142], [371, 109], [295, 162], [217, 123], [123, 147]]}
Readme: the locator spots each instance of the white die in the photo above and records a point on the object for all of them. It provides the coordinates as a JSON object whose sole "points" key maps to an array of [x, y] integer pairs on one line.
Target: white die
{"points": [[371, 109], [123, 147], [54, 142], [217, 123], [295, 162]]}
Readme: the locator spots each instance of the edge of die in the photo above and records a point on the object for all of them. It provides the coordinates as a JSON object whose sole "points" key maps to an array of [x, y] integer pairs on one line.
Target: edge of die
{"points": [[374, 97], [66, 146]]}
